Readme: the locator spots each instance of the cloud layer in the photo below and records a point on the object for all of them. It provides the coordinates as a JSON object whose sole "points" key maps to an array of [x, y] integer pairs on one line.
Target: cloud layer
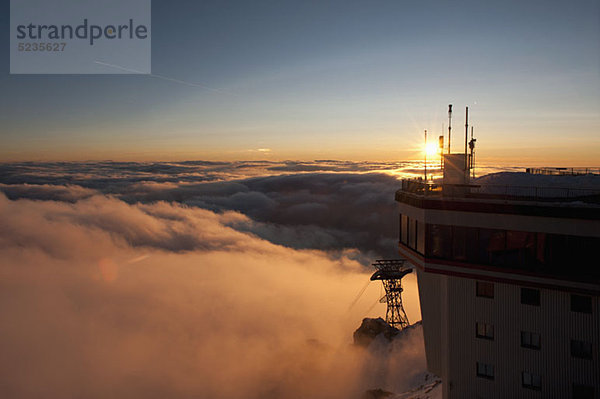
{"points": [[126, 295], [335, 206]]}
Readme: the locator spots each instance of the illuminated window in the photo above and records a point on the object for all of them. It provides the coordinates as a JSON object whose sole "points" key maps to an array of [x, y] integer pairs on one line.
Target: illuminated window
{"points": [[484, 330], [485, 289], [530, 340], [531, 381]]}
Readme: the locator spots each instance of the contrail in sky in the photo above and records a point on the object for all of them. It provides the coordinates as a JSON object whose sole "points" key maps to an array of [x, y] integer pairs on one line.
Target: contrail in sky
{"points": [[162, 77]]}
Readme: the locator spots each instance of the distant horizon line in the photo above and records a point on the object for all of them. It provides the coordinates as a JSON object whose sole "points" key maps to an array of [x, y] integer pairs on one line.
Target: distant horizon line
{"points": [[490, 163]]}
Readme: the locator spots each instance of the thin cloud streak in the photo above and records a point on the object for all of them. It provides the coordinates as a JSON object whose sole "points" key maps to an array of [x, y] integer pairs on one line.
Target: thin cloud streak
{"points": [[163, 77]]}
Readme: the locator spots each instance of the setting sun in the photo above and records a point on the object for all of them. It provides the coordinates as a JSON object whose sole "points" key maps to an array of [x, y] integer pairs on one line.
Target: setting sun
{"points": [[431, 149]]}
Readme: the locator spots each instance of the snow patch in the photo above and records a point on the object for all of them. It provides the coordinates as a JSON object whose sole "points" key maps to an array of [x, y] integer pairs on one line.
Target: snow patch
{"points": [[528, 180]]}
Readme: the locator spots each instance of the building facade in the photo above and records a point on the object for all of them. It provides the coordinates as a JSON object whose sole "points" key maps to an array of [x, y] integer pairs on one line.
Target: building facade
{"points": [[509, 285]]}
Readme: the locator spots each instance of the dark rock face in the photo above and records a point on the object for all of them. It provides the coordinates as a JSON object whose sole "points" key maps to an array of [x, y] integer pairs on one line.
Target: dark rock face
{"points": [[371, 328]]}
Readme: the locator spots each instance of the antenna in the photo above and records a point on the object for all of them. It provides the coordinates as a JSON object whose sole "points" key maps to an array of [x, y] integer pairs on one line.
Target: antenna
{"points": [[441, 148], [466, 137], [390, 272], [425, 156], [449, 125], [472, 155]]}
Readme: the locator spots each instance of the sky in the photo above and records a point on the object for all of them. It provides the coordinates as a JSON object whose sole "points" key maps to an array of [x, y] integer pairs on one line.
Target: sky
{"points": [[307, 80]]}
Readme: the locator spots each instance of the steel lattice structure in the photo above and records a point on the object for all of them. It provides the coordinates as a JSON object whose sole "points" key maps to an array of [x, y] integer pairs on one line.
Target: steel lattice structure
{"points": [[390, 272]]}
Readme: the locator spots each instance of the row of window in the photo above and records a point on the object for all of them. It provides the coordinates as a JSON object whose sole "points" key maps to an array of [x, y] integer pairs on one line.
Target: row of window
{"points": [[531, 296], [532, 340], [533, 381], [514, 249], [528, 380]]}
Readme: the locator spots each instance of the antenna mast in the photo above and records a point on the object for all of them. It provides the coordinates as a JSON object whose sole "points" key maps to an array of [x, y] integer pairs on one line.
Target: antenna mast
{"points": [[441, 148], [472, 156], [449, 125], [466, 137], [425, 156]]}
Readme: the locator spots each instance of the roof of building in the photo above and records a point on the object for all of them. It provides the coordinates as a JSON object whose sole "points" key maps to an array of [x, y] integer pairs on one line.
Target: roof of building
{"points": [[523, 179]]}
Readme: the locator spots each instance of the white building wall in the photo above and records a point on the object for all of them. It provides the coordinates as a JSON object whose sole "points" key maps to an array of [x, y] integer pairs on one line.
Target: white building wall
{"points": [[432, 303], [450, 311]]}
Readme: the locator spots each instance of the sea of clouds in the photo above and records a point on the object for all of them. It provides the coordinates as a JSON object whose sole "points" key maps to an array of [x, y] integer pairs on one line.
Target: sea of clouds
{"points": [[197, 279]]}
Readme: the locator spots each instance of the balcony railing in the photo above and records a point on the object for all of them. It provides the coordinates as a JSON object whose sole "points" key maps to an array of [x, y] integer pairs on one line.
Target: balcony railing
{"points": [[491, 191], [564, 171]]}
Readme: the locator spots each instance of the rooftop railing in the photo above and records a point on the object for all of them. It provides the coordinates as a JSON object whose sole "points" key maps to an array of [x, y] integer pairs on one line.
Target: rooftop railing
{"points": [[564, 171], [494, 191]]}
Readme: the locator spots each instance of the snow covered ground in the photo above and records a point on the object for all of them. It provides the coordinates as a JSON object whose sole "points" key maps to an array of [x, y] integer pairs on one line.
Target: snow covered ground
{"points": [[528, 179], [431, 388], [540, 186]]}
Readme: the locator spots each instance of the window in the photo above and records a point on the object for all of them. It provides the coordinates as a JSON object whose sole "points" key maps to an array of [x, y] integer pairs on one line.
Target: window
{"points": [[439, 241], [404, 229], [485, 370], [412, 233], [513, 249], [581, 349], [459, 243], [484, 330], [530, 340], [531, 381], [472, 239], [484, 289], [530, 296], [582, 304], [520, 248], [583, 391], [497, 247], [420, 237]]}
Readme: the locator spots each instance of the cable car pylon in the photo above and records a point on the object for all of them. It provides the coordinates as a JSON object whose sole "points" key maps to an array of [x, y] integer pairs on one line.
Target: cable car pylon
{"points": [[390, 272]]}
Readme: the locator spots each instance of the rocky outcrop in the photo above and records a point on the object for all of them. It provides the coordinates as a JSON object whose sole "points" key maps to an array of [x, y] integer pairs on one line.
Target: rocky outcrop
{"points": [[370, 329]]}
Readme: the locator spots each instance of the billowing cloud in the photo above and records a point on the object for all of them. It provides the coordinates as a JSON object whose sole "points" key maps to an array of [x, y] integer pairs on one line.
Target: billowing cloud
{"points": [[68, 193], [103, 298], [107, 175], [198, 279], [345, 205]]}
